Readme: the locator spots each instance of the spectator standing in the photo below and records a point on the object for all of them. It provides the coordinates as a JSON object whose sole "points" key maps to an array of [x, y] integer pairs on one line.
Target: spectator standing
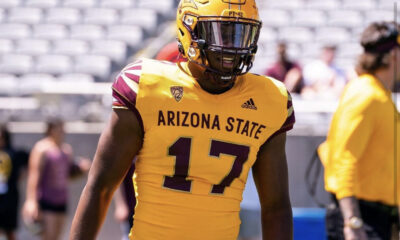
{"points": [[12, 163], [359, 153], [285, 70], [322, 78], [50, 167]]}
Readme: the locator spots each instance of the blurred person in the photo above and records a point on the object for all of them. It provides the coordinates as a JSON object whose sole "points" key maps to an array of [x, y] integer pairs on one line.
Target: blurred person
{"points": [[250, 212], [51, 164], [285, 70], [359, 153], [125, 202], [322, 78], [12, 163], [197, 128], [170, 52]]}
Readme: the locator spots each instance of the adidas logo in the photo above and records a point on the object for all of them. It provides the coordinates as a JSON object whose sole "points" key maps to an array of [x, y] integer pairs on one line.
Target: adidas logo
{"points": [[249, 104]]}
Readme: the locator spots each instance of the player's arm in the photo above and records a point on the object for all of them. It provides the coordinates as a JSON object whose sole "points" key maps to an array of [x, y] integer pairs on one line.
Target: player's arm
{"points": [[271, 179], [35, 167], [118, 145]]}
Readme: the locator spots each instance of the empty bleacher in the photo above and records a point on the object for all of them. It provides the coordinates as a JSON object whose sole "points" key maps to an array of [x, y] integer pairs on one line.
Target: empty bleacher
{"points": [[307, 25], [92, 39], [50, 49], [57, 37]]}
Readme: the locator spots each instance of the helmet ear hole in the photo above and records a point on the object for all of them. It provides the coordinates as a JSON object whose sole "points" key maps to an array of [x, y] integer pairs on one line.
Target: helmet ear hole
{"points": [[181, 32]]}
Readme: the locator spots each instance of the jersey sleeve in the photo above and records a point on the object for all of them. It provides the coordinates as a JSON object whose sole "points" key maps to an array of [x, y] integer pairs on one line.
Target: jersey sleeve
{"points": [[353, 126], [290, 119], [126, 87]]}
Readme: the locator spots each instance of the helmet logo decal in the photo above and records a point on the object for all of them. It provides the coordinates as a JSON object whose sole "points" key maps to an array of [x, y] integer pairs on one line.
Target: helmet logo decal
{"points": [[177, 93], [189, 4]]}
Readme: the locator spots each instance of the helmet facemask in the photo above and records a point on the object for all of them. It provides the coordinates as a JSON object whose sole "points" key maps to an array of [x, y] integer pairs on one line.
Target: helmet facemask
{"points": [[227, 45]]}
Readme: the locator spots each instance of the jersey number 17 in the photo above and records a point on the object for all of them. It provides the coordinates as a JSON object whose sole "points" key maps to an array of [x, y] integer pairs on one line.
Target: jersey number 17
{"points": [[181, 150]]}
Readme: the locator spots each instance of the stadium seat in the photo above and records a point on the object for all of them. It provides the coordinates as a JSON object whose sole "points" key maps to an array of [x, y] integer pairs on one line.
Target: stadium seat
{"points": [[146, 18], [6, 46], [41, 3], [345, 18], [309, 18], [349, 50], [100, 16], [323, 5], [53, 64], [75, 77], [16, 63], [9, 84], [296, 34], [14, 31], [2, 15], [50, 31], [345, 64], [332, 35], [79, 3], [275, 17], [359, 5], [267, 50], [131, 35], [287, 4], [356, 32], [34, 82], [162, 7], [9, 3], [311, 50], [71, 47], [379, 15], [117, 4], [387, 5], [86, 32], [33, 46], [67, 16], [98, 66], [25, 15], [293, 51], [115, 50], [267, 35]]}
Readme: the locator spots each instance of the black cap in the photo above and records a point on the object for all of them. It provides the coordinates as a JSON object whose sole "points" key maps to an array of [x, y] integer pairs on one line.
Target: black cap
{"points": [[385, 43]]}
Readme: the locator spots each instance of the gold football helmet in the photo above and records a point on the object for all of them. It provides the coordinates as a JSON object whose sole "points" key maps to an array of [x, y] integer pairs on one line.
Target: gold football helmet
{"points": [[220, 35]]}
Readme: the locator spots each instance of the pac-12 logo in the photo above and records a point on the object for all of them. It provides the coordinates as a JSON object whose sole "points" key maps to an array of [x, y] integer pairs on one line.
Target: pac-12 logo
{"points": [[177, 92]]}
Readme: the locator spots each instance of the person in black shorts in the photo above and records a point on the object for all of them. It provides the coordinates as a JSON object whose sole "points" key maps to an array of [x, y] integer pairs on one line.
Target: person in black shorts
{"points": [[11, 164]]}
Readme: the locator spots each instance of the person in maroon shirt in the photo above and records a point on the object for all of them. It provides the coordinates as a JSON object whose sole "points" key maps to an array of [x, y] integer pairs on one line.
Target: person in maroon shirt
{"points": [[285, 70], [125, 202]]}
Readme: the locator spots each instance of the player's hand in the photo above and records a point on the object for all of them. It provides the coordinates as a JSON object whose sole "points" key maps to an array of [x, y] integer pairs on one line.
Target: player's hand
{"points": [[30, 211], [354, 234], [121, 212], [84, 164]]}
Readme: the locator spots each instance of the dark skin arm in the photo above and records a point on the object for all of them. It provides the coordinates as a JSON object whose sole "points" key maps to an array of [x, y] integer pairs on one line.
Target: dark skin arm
{"points": [[118, 144], [271, 179]]}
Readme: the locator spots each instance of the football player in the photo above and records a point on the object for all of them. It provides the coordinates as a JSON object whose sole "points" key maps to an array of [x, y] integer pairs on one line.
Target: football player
{"points": [[197, 128]]}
